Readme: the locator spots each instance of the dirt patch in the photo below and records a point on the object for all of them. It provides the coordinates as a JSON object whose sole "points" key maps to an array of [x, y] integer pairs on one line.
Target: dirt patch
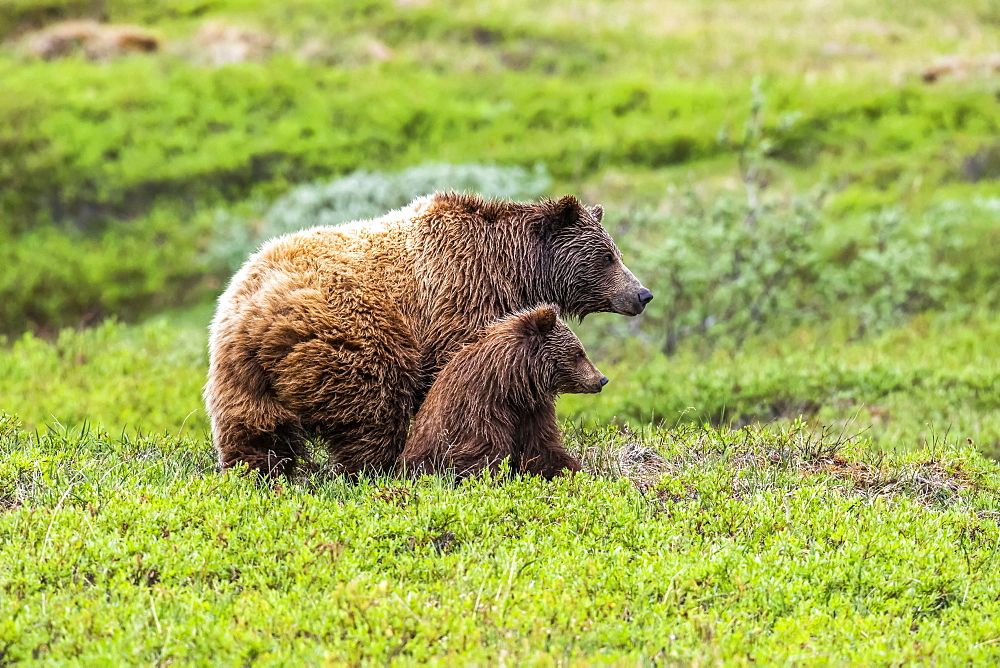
{"points": [[753, 455], [218, 43], [633, 458], [96, 41], [962, 67], [928, 481], [8, 502]]}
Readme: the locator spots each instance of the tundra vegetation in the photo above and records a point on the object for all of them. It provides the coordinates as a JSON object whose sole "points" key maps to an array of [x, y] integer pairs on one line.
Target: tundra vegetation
{"points": [[793, 461]]}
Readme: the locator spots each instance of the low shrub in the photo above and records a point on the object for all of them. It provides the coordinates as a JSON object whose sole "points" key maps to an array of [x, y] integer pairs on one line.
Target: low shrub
{"points": [[934, 378], [728, 270], [740, 266]]}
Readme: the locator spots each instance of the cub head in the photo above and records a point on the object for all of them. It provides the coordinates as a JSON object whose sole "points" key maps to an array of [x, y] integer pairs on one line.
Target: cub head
{"points": [[588, 275], [557, 359]]}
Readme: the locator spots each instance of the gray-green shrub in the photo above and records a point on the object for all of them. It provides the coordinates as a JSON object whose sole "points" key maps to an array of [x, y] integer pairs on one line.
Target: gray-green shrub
{"points": [[365, 194]]}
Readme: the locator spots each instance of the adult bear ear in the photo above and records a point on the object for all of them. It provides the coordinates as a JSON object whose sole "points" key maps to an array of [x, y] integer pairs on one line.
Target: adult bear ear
{"points": [[561, 213], [597, 211]]}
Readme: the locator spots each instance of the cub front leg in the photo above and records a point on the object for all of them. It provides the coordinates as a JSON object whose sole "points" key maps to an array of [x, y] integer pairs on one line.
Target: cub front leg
{"points": [[541, 448]]}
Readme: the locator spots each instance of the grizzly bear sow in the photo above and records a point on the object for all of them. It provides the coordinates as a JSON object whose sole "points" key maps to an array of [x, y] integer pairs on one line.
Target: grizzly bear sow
{"points": [[338, 332], [496, 399]]}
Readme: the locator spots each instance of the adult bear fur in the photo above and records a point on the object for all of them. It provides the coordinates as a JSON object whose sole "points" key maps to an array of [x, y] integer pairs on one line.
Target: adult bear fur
{"points": [[339, 331], [495, 400]]}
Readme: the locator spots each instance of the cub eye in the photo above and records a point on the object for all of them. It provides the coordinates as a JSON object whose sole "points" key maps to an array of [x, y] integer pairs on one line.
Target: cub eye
{"points": [[580, 354], [609, 258]]}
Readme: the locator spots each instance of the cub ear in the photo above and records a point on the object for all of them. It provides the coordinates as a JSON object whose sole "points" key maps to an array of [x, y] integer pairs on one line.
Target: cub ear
{"points": [[541, 321], [597, 211]]}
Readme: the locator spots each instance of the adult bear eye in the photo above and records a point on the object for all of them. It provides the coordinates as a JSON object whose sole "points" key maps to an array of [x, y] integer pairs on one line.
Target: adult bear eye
{"points": [[609, 258], [579, 354]]}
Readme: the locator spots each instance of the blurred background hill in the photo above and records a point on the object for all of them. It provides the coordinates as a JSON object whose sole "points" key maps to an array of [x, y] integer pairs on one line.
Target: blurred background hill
{"points": [[812, 190]]}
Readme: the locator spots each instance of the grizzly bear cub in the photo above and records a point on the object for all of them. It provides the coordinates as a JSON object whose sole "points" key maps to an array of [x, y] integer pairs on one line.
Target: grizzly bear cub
{"points": [[496, 399]]}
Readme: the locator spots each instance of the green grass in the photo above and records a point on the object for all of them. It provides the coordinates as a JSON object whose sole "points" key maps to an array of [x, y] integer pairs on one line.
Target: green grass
{"points": [[116, 377], [94, 143], [729, 546], [816, 491]]}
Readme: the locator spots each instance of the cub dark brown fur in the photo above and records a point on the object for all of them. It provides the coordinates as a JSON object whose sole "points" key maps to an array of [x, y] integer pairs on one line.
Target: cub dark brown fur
{"points": [[496, 399]]}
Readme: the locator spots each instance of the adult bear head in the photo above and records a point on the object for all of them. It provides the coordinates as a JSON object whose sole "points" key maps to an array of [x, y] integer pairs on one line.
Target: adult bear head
{"points": [[488, 258], [587, 272]]}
